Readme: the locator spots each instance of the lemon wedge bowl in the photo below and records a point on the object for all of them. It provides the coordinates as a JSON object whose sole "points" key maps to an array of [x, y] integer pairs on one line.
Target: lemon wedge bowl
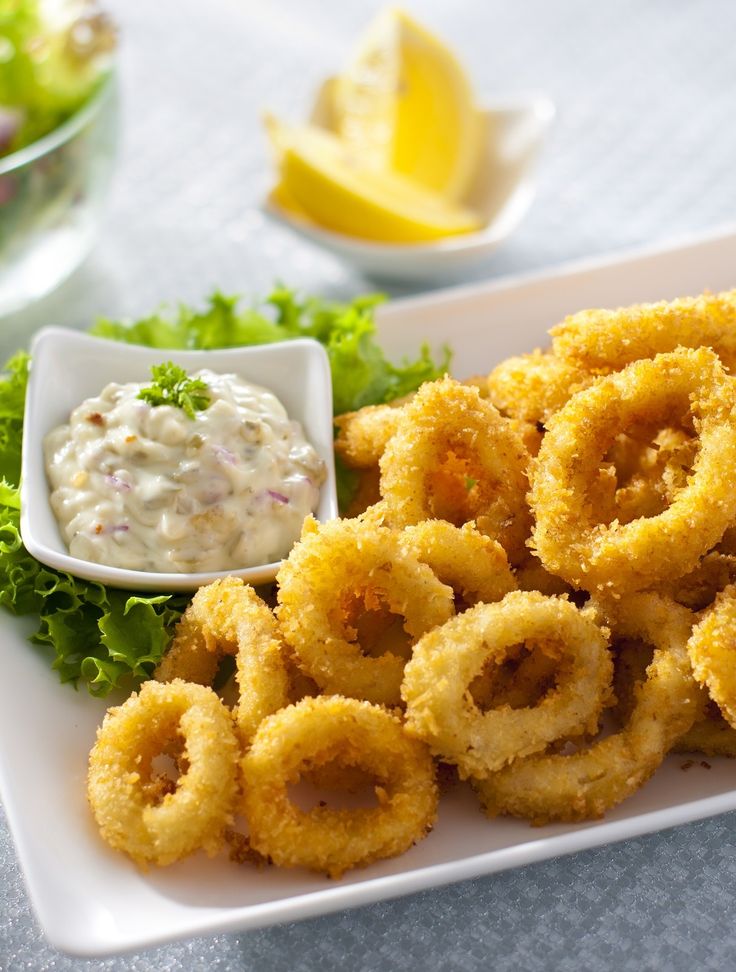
{"points": [[325, 177], [399, 171]]}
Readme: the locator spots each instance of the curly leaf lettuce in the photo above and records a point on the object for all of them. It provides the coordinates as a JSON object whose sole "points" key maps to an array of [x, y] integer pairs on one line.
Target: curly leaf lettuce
{"points": [[105, 638], [361, 373]]}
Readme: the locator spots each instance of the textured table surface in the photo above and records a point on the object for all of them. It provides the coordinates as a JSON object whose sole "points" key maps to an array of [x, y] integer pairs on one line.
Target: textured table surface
{"points": [[644, 149]]}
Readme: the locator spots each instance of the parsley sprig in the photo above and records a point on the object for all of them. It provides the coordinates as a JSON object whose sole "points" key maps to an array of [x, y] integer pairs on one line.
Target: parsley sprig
{"points": [[173, 386]]}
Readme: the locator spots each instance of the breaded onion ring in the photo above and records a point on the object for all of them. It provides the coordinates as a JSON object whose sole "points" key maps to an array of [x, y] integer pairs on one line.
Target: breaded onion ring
{"points": [[712, 650], [454, 457], [606, 340], [122, 786], [322, 732], [440, 708], [227, 617], [583, 785], [532, 387], [569, 538], [335, 565], [469, 562]]}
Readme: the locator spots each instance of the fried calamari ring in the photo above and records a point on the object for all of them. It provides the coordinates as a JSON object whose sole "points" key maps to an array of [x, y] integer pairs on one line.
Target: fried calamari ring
{"points": [[712, 650], [187, 656], [227, 617], [362, 435], [698, 589], [440, 708], [338, 571], [122, 788], [569, 538], [586, 783], [611, 339], [454, 457], [469, 562], [710, 735], [318, 733], [532, 387]]}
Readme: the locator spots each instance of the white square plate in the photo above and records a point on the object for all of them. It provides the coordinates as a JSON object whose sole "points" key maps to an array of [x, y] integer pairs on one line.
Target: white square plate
{"points": [[91, 901], [68, 367]]}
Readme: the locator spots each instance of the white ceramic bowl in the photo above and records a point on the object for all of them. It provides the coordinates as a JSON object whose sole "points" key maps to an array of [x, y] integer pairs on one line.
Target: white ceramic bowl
{"points": [[502, 192], [68, 367]]}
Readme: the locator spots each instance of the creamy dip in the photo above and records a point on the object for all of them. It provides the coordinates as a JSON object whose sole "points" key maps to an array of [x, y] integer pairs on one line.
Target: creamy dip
{"points": [[148, 488]]}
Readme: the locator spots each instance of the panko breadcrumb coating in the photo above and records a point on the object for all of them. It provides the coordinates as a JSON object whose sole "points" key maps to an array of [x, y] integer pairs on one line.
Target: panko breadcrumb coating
{"points": [[607, 340], [326, 731], [135, 814]]}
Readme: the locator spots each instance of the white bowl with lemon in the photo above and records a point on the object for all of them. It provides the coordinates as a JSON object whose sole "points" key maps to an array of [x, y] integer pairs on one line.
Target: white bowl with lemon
{"points": [[398, 171]]}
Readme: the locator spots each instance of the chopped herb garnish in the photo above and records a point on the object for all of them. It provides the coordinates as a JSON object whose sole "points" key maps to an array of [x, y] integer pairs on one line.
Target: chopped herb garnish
{"points": [[173, 386]]}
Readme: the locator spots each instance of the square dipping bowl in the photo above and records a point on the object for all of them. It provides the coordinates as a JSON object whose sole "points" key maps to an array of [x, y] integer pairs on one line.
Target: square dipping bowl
{"points": [[68, 367]]}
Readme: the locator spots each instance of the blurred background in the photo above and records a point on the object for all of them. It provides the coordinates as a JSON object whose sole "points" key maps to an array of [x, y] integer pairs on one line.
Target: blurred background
{"points": [[642, 151]]}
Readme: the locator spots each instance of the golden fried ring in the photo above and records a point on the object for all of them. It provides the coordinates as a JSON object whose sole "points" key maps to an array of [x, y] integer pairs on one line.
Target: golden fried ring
{"points": [[472, 564], [345, 559], [698, 589], [227, 617], [362, 435], [532, 387], [187, 656], [449, 421], [611, 339], [121, 778], [569, 539], [440, 708], [710, 735], [323, 732], [583, 785], [712, 650]]}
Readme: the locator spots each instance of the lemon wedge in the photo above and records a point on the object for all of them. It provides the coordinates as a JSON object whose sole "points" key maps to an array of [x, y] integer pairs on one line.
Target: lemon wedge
{"points": [[405, 104], [326, 178]]}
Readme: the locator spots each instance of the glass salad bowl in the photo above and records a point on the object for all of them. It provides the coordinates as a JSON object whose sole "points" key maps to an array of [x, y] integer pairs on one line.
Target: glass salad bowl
{"points": [[51, 196]]}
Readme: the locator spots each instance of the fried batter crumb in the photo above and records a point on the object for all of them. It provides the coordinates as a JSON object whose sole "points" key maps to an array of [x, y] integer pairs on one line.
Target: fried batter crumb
{"points": [[241, 851]]}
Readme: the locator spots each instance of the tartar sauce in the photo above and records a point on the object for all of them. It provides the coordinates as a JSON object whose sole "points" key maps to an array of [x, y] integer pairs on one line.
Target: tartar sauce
{"points": [[148, 488]]}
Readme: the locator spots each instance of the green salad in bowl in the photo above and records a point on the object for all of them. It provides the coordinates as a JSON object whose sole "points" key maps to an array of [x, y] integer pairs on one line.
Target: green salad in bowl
{"points": [[58, 129]]}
